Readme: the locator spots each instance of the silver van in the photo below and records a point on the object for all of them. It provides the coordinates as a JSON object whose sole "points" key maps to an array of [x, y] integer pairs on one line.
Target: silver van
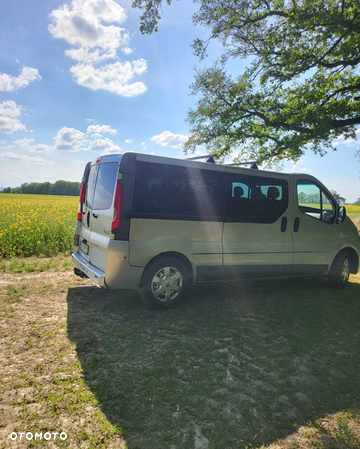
{"points": [[160, 224]]}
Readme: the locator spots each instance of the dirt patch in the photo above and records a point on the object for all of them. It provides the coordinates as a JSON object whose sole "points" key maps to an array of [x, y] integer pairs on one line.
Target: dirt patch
{"points": [[235, 365], [357, 223], [42, 383]]}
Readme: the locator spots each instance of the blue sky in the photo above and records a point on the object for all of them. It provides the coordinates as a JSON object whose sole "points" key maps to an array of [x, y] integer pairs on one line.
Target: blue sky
{"points": [[77, 79]]}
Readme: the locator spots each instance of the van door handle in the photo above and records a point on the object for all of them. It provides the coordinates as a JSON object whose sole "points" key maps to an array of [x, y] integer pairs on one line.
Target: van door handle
{"points": [[88, 219], [296, 224], [283, 224], [95, 215]]}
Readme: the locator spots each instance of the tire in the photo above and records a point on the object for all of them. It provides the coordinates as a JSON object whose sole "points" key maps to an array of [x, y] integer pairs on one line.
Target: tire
{"points": [[340, 271], [164, 283]]}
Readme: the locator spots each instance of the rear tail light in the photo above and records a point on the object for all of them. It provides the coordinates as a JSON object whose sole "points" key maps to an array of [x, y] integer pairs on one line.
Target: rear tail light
{"points": [[81, 201], [117, 207]]}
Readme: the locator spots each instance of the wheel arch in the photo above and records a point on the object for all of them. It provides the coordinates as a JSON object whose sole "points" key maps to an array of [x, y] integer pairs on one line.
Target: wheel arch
{"points": [[354, 259], [181, 257]]}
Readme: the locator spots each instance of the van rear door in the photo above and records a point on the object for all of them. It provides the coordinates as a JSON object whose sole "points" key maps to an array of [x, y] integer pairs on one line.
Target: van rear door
{"points": [[98, 215], [85, 231]]}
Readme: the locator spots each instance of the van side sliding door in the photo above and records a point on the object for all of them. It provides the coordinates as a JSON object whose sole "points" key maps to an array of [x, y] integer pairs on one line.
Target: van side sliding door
{"points": [[257, 237]]}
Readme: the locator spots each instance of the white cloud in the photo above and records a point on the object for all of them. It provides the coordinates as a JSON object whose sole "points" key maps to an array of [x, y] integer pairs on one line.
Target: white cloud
{"points": [[142, 143], [104, 146], [89, 25], [10, 83], [82, 24], [9, 125], [129, 140], [168, 139], [100, 129], [28, 144], [112, 77], [24, 158], [9, 109], [69, 139]]}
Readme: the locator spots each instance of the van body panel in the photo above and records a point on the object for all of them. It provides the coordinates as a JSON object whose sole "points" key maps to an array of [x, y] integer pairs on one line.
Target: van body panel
{"points": [[348, 236], [199, 241], [315, 243], [100, 233], [253, 244], [119, 273]]}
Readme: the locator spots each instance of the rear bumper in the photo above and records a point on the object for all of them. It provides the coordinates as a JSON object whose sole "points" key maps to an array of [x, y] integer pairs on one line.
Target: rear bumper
{"points": [[118, 273], [92, 272]]}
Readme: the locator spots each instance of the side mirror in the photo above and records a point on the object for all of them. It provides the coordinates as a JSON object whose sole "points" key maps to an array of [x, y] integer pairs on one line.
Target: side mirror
{"points": [[341, 215]]}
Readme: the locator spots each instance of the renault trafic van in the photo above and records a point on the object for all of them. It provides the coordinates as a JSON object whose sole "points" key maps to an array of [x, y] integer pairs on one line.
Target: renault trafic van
{"points": [[158, 225]]}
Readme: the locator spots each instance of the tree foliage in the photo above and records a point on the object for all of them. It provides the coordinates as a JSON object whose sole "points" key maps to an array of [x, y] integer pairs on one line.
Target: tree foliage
{"points": [[339, 199], [301, 88], [46, 188]]}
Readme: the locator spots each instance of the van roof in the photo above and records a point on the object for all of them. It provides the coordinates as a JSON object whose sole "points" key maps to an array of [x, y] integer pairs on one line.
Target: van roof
{"points": [[193, 163]]}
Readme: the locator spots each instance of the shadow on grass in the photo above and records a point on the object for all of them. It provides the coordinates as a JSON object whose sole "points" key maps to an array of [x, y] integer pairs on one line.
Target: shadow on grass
{"points": [[234, 364]]}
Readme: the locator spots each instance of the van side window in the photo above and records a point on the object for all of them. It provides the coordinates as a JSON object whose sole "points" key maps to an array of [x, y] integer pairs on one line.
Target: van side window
{"points": [[91, 186], [105, 185], [164, 189], [254, 199], [316, 203]]}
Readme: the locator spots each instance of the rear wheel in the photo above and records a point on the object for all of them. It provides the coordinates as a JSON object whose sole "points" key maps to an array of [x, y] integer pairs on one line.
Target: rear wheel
{"points": [[164, 283], [340, 271]]}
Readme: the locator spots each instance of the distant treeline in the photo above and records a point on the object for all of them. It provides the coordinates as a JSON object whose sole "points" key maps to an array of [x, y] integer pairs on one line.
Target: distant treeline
{"points": [[46, 188]]}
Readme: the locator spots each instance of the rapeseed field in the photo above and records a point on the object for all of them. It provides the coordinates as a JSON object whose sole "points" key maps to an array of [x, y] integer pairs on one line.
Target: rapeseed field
{"points": [[40, 225]]}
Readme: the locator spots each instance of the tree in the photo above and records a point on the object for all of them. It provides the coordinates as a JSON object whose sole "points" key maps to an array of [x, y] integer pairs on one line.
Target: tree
{"points": [[58, 188], [301, 89], [339, 199]]}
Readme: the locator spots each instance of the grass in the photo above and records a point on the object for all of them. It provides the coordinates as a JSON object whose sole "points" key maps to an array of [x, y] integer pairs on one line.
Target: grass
{"points": [[270, 364]]}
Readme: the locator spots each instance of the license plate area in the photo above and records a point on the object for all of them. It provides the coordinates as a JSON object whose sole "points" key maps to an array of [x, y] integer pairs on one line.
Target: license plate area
{"points": [[84, 247]]}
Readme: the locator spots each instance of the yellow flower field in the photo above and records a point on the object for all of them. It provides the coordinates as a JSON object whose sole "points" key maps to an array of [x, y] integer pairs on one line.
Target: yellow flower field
{"points": [[41, 225]]}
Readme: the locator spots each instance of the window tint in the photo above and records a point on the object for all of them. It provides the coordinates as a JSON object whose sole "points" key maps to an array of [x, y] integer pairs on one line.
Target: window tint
{"points": [[91, 186], [314, 202], [254, 199], [105, 185], [180, 191]]}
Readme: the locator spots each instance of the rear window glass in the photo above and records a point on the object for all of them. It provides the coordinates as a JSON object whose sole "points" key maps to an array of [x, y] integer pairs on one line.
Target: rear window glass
{"points": [[91, 186], [105, 185], [164, 189]]}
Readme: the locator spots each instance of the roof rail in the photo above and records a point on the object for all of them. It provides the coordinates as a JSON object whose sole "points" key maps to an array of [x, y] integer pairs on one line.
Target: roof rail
{"points": [[253, 164], [208, 157]]}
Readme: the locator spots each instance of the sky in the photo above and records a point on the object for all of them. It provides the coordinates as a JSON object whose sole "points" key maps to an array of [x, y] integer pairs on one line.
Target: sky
{"points": [[79, 80]]}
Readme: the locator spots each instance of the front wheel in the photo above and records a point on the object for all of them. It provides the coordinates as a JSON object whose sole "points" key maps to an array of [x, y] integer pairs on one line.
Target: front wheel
{"points": [[340, 271], [164, 283]]}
